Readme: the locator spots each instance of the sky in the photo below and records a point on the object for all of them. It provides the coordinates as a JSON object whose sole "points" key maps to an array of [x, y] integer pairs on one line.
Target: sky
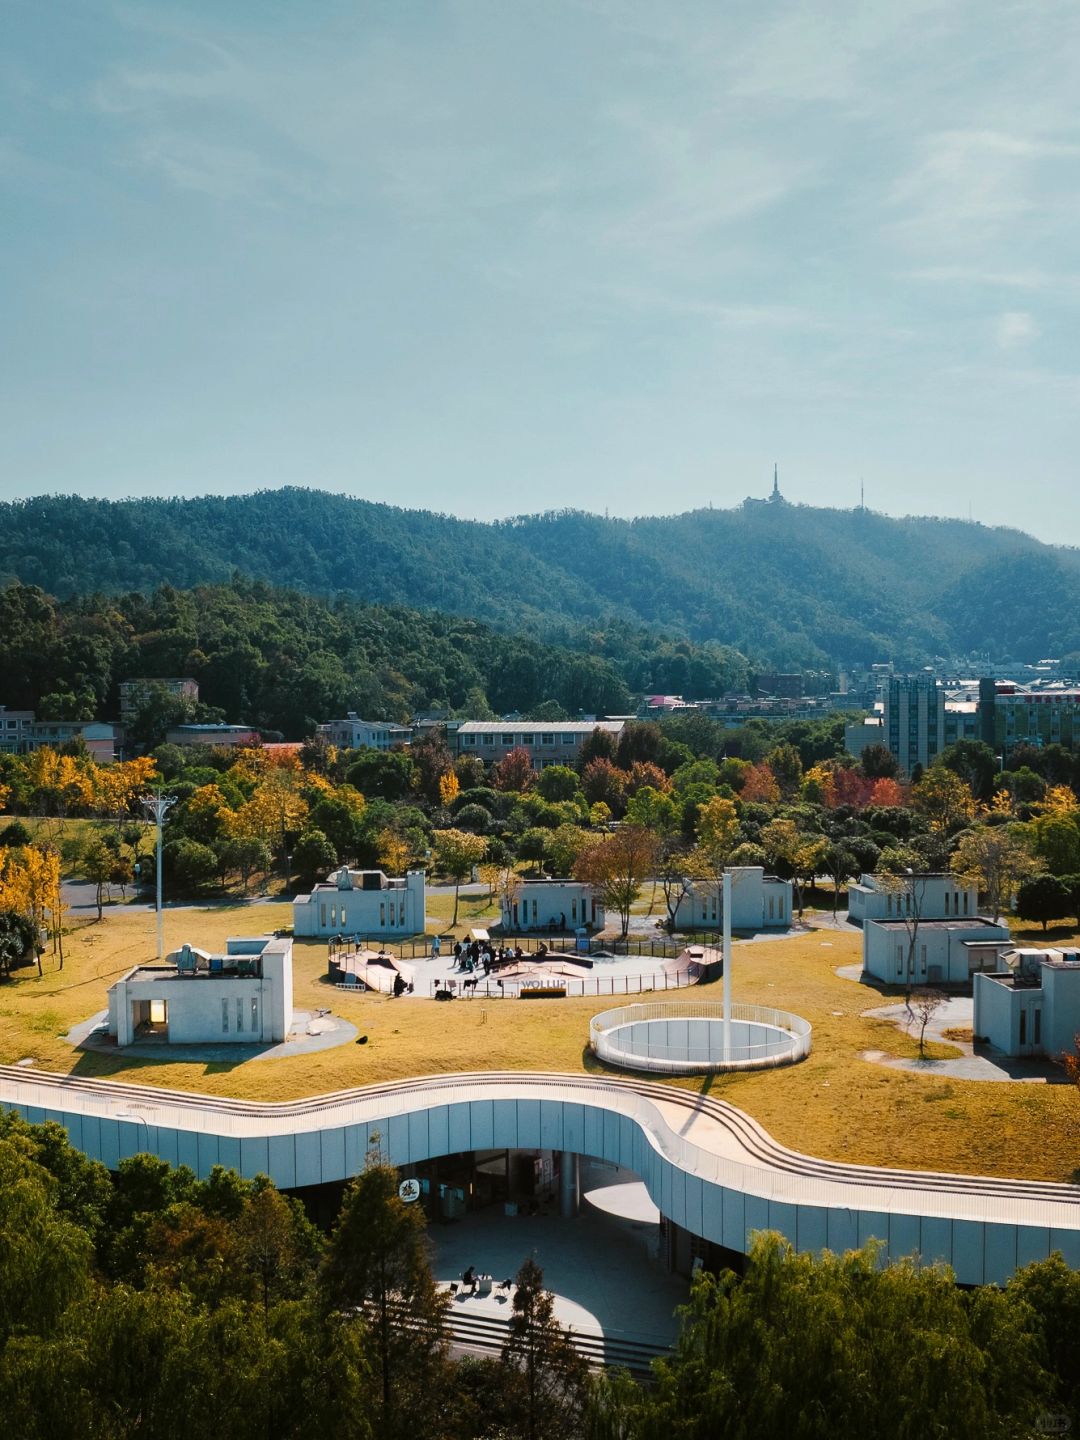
{"points": [[493, 257]]}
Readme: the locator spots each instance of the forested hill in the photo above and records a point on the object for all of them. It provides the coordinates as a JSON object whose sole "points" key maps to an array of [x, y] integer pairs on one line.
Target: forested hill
{"points": [[785, 584]]}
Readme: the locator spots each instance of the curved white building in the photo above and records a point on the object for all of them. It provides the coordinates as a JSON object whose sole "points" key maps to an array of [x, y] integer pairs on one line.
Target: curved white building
{"points": [[708, 1167]]}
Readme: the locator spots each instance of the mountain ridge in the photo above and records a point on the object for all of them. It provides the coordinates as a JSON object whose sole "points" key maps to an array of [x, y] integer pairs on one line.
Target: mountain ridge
{"points": [[786, 584]]}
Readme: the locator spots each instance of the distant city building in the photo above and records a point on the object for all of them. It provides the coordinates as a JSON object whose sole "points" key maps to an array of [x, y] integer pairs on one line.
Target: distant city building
{"points": [[923, 717], [16, 729], [787, 687], [132, 691], [1011, 716], [352, 733], [103, 739], [547, 742], [363, 902], [758, 902], [212, 734], [548, 905], [1032, 1007], [863, 733], [243, 997]]}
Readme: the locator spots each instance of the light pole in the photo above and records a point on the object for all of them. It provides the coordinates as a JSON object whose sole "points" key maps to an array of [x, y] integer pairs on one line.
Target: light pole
{"points": [[727, 964], [156, 807], [134, 1118]]}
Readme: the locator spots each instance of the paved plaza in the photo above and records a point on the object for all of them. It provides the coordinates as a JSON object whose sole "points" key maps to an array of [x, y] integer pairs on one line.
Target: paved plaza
{"points": [[602, 1268]]}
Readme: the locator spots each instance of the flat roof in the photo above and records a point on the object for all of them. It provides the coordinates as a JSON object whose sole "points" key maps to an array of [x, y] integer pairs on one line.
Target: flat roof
{"points": [[558, 727], [973, 923]]}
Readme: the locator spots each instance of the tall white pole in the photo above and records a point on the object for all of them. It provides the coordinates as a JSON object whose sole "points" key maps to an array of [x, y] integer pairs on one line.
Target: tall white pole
{"points": [[727, 964], [156, 807]]}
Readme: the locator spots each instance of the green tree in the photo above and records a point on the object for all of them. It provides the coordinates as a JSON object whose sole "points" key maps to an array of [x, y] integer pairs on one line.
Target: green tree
{"points": [[1043, 898], [456, 852], [377, 1266], [546, 1377], [994, 861], [617, 866], [313, 856]]}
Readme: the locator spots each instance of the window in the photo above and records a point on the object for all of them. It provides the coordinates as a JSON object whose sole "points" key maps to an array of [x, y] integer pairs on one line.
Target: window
{"points": [[1023, 1027], [899, 959], [382, 913], [508, 739], [547, 739], [401, 921], [322, 914], [526, 739], [573, 912], [489, 739], [254, 1013], [158, 1012], [224, 1017], [343, 917], [772, 907], [469, 739], [965, 902], [239, 1014]]}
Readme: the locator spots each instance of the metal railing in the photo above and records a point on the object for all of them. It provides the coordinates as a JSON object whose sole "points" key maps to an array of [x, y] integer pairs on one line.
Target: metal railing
{"points": [[511, 987]]}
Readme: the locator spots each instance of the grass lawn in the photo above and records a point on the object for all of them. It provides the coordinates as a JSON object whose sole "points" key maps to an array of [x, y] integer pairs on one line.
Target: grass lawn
{"points": [[834, 1104]]}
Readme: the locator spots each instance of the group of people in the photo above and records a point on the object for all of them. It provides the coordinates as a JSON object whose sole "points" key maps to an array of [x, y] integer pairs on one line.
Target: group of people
{"points": [[473, 955]]}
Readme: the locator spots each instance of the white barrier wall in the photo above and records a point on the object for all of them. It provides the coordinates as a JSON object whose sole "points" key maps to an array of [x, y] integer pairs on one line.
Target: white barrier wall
{"points": [[983, 1228]]}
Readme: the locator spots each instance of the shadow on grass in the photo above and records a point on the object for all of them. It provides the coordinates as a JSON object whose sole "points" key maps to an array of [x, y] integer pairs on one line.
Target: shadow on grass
{"points": [[101, 1065]]}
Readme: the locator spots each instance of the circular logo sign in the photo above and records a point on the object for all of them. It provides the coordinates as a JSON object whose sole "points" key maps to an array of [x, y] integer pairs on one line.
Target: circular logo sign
{"points": [[409, 1190]]}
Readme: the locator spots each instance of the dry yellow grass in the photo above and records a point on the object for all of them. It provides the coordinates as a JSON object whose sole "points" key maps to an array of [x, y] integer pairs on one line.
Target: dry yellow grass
{"points": [[835, 1104]]}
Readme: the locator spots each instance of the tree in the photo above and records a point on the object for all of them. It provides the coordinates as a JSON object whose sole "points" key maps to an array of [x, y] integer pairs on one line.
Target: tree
{"points": [[879, 763], [557, 782], [604, 783], [760, 787], [97, 868], [449, 788], [993, 861], [17, 937], [944, 798], [548, 1378], [840, 865], [974, 762], [456, 852], [617, 866], [653, 809], [387, 774], [313, 856], [377, 1266], [247, 855], [190, 866], [924, 1004], [514, 773], [786, 766], [1043, 898]]}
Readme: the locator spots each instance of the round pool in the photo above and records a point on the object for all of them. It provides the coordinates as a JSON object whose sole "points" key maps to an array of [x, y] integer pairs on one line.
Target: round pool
{"points": [[691, 1038]]}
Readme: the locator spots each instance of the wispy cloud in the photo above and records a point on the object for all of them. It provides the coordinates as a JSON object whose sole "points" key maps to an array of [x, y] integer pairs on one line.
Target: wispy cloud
{"points": [[1014, 329]]}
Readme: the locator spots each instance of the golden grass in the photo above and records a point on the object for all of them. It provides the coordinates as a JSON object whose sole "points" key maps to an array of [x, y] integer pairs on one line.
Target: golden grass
{"points": [[835, 1104]]}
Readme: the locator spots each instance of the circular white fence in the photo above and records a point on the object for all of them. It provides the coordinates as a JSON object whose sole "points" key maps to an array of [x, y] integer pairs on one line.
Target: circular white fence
{"points": [[692, 1038]]}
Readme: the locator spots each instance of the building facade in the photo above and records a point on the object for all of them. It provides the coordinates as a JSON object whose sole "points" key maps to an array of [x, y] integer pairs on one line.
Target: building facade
{"points": [[914, 720], [932, 895], [547, 743], [551, 905], [934, 952], [103, 739], [243, 997], [16, 728], [211, 734], [758, 902], [1011, 716], [1033, 1006], [132, 692], [363, 902], [352, 733]]}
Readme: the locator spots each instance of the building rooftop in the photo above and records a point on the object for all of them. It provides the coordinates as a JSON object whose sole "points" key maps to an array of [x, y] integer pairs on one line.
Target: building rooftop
{"points": [[559, 727], [964, 924]]}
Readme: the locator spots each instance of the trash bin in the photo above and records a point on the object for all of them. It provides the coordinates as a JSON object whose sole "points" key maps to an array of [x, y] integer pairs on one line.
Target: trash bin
{"points": [[582, 943]]}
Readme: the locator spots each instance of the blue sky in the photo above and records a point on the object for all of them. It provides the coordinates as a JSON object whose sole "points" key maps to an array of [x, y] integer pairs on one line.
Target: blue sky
{"points": [[496, 256]]}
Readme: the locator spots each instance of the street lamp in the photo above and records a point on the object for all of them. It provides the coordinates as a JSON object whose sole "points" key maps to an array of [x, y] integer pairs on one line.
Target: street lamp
{"points": [[135, 1118], [156, 807]]}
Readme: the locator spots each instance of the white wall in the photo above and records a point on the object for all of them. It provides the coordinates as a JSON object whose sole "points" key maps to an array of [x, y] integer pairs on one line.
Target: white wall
{"points": [[751, 892], [723, 1201], [940, 948], [935, 897], [330, 910], [541, 904]]}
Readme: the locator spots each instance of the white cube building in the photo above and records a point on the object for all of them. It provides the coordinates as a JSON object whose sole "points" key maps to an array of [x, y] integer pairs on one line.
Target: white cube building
{"points": [[551, 905], [758, 902], [1033, 1006], [243, 997], [935, 952], [363, 902], [932, 894]]}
